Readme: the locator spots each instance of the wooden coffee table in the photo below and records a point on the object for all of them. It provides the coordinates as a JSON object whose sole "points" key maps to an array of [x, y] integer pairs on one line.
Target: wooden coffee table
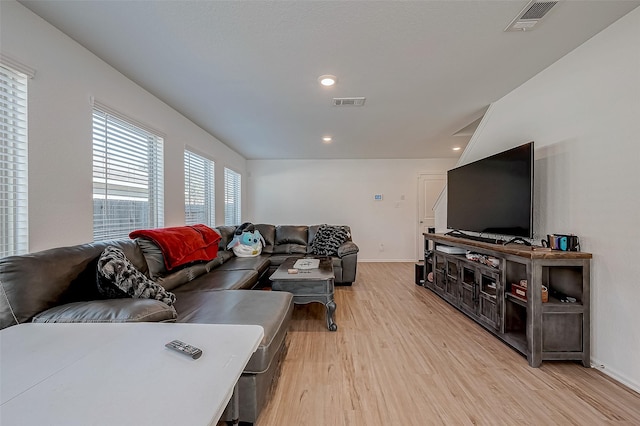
{"points": [[308, 285]]}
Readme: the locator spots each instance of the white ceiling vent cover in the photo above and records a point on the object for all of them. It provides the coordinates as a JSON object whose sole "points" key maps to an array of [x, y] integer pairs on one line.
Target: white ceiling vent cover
{"points": [[530, 16], [348, 101]]}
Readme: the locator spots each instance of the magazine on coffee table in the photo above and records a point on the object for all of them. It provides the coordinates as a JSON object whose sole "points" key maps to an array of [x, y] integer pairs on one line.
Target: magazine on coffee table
{"points": [[307, 264]]}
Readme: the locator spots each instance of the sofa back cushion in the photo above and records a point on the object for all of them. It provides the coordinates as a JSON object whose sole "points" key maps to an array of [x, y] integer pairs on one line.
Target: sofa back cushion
{"points": [[182, 245], [153, 256], [170, 280], [226, 233], [291, 239], [32, 283], [268, 232]]}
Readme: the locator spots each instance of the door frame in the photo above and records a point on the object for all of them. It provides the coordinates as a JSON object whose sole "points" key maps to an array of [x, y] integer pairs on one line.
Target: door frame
{"points": [[419, 255]]}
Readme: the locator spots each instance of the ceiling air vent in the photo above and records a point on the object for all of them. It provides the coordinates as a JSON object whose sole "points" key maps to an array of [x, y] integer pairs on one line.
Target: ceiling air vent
{"points": [[530, 16], [348, 101]]}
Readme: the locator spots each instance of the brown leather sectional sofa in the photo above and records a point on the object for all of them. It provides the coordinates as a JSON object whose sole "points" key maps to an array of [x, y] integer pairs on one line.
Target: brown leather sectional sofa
{"points": [[59, 285]]}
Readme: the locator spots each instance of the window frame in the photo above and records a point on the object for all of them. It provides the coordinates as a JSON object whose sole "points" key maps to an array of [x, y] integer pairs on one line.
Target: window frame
{"points": [[232, 194], [199, 173], [14, 182], [124, 183]]}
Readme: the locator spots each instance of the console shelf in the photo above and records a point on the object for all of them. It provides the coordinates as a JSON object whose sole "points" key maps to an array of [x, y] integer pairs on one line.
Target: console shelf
{"points": [[553, 330]]}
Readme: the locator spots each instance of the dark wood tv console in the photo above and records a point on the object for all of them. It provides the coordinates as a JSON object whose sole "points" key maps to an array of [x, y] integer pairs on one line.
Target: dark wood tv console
{"points": [[555, 330]]}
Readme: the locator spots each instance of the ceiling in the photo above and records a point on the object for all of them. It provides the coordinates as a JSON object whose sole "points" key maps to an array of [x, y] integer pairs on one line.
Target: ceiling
{"points": [[246, 71]]}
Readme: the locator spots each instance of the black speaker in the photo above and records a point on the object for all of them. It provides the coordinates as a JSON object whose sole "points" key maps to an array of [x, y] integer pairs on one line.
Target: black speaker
{"points": [[419, 273]]}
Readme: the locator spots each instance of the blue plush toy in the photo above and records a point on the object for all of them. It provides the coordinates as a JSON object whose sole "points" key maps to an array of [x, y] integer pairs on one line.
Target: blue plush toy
{"points": [[247, 241]]}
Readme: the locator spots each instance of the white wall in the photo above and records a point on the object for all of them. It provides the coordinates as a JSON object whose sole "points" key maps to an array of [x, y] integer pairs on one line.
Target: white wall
{"points": [[583, 113], [341, 192], [60, 151]]}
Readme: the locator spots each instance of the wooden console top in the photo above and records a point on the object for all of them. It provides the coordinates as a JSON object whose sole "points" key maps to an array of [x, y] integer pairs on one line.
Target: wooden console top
{"points": [[530, 252]]}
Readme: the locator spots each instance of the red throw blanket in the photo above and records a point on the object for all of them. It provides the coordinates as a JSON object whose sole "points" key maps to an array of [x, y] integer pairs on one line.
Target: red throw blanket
{"points": [[182, 244]]}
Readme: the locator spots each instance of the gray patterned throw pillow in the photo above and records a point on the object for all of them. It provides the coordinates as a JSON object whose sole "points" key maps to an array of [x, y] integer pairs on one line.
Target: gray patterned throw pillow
{"points": [[328, 239], [118, 278]]}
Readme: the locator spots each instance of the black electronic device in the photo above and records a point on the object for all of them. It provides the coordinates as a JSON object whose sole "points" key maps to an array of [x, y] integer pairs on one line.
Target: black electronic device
{"points": [[493, 195], [185, 349]]}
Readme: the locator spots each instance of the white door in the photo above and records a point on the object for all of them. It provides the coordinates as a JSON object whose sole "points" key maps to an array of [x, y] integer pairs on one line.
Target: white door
{"points": [[429, 188]]}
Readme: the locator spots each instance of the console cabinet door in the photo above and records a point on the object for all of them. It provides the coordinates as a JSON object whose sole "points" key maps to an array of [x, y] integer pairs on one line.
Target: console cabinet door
{"points": [[439, 275], [429, 269], [489, 308], [452, 272], [468, 290]]}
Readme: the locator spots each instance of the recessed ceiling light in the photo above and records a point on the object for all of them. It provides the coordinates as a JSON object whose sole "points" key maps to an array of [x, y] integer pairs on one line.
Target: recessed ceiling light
{"points": [[456, 148], [327, 139], [327, 80]]}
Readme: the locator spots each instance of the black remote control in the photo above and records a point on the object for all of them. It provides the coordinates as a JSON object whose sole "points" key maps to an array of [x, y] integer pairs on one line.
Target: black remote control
{"points": [[183, 348]]}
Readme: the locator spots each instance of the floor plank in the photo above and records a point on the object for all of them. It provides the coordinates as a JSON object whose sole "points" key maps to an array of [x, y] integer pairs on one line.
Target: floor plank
{"points": [[402, 355]]}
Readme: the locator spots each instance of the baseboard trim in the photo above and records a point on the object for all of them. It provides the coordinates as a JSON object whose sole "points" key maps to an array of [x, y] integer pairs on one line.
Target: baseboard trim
{"points": [[387, 260], [615, 375]]}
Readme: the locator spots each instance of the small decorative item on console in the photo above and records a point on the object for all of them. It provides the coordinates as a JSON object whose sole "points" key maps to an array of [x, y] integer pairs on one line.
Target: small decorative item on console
{"points": [[484, 259], [562, 242], [520, 291]]}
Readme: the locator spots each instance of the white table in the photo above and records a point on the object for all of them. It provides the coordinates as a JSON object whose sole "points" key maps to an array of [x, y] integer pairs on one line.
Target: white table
{"points": [[120, 374]]}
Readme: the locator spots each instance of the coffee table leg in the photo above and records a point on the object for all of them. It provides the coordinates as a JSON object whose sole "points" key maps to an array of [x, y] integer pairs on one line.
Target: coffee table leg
{"points": [[331, 310], [235, 407]]}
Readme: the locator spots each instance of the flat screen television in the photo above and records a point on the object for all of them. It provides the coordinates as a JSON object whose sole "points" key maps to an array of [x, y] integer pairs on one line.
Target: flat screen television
{"points": [[493, 195]]}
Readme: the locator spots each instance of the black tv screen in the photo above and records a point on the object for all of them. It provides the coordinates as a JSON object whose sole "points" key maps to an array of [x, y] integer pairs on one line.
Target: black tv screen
{"points": [[493, 195]]}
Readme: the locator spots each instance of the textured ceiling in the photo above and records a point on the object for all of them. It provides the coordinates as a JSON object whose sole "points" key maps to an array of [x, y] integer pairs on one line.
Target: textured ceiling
{"points": [[247, 71]]}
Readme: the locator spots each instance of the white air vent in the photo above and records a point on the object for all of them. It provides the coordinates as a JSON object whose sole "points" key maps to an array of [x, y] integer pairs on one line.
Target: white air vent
{"points": [[349, 101], [530, 16]]}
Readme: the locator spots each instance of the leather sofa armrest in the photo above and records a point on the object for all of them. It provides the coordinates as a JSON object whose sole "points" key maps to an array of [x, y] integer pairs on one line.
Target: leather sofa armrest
{"points": [[347, 248]]}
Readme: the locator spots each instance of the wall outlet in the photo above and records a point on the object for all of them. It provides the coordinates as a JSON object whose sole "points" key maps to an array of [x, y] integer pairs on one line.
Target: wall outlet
{"points": [[381, 248]]}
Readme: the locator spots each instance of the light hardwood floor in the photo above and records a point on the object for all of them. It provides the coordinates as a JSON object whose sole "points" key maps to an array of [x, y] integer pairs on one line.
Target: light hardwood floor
{"points": [[403, 356]]}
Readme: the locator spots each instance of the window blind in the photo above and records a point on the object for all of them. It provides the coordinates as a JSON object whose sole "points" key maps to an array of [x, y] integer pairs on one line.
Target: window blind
{"points": [[128, 180], [232, 193], [14, 238], [199, 189]]}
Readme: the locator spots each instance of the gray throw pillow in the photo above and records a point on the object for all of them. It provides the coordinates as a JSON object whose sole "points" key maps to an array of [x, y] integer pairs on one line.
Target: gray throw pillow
{"points": [[118, 278]]}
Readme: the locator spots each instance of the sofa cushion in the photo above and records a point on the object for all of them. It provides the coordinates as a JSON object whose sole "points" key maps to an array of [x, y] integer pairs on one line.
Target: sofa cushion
{"points": [[313, 229], [277, 259], [220, 280], [158, 272], [226, 234], [114, 310], [118, 278], [182, 276], [153, 256], [35, 282], [291, 234], [290, 239], [258, 264], [268, 232], [269, 309]]}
